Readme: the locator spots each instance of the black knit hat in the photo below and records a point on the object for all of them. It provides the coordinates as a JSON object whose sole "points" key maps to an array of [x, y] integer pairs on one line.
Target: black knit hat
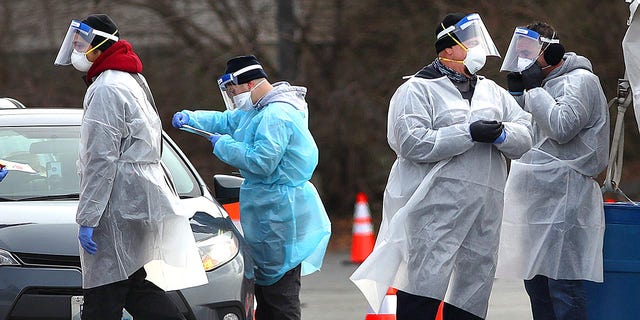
{"points": [[446, 41], [103, 23], [237, 63]]}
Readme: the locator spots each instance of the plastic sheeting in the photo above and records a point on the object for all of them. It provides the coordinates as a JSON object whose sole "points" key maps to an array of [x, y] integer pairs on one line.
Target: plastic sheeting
{"points": [[125, 193], [631, 51]]}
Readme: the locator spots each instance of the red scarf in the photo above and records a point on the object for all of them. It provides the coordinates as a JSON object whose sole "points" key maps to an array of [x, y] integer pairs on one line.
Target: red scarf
{"points": [[119, 56]]}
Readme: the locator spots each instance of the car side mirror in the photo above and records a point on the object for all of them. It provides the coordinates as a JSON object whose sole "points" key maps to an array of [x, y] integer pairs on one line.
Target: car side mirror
{"points": [[227, 188]]}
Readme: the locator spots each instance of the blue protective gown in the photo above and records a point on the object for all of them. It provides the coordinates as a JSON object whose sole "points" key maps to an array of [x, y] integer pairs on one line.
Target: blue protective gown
{"points": [[281, 214]]}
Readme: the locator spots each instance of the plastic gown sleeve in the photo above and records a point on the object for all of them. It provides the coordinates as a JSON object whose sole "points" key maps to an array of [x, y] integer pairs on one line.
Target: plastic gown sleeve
{"points": [[262, 157], [563, 119], [100, 137], [631, 51], [412, 134], [517, 124], [224, 122]]}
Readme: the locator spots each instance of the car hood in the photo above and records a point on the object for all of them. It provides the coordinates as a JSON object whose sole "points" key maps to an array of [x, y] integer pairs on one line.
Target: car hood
{"points": [[49, 227], [40, 228]]}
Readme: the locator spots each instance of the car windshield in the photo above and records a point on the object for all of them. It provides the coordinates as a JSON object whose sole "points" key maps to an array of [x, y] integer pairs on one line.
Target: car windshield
{"points": [[43, 161]]}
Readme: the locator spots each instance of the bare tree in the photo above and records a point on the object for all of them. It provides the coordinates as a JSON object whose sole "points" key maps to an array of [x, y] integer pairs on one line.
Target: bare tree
{"points": [[287, 51], [351, 55]]}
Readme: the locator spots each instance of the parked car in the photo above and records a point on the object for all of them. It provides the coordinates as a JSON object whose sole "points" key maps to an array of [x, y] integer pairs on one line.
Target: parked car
{"points": [[10, 103], [40, 275]]}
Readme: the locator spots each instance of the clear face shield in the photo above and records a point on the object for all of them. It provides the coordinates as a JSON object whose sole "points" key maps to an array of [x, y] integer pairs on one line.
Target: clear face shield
{"points": [[78, 38], [472, 34], [524, 49], [232, 79]]}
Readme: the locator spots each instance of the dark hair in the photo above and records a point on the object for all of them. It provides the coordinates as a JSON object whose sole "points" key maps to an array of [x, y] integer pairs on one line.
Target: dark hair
{"points": [[544, 29], [553, 52]]}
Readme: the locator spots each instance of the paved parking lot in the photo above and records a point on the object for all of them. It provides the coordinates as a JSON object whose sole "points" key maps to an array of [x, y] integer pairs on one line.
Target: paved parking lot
{"points": [[329, 294]]}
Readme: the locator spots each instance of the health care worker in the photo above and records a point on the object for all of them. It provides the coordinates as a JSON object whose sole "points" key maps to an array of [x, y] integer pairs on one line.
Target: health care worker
{"points": [[553, 227], [264, 133], [128, 214], [451, 130]]}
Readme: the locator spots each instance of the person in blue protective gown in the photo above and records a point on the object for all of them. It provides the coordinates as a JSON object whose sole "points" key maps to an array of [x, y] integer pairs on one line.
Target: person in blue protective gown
{"points": [[264, 133]]}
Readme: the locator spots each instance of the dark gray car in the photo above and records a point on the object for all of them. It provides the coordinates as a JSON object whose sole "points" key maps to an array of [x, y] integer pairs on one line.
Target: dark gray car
{"points": [[40, 276]]}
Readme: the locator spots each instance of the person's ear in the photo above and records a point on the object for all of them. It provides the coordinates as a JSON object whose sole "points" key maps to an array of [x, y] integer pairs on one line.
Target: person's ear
{"points": [[448, 51]]}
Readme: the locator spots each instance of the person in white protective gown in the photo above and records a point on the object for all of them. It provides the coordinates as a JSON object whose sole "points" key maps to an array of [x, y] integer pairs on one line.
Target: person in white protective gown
{"points": [[631, 51], [553, 225], [128, 212], [451, 130]]}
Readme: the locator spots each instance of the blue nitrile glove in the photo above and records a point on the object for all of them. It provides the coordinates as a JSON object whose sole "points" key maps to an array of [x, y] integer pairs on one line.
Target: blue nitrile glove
{"points": [[214, 138], [86, 240], [3, 173], [501, 138], [179, 119]]}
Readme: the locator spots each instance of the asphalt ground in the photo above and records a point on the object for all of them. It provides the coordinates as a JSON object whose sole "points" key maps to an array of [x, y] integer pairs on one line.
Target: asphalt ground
{"points": [[329, 294]]}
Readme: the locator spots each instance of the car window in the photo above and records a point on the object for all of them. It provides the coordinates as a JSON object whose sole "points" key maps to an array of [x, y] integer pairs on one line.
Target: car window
{"points": [[48, 155], [183, 179], [52, 153]]}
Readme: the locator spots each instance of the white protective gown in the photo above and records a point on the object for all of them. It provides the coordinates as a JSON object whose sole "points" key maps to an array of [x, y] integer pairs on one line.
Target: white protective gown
{"points": [[443, 201], [631, 51], [124, 191], [553, 214]]}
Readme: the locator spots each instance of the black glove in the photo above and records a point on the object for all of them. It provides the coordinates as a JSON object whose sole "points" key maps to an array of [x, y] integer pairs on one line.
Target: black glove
{"points": [[532, 77], [485, 130], [515, 84]]}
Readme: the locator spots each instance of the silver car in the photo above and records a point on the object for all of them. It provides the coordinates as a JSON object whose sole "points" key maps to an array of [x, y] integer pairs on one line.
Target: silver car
{"points": [[10, 103], [40, 276]]}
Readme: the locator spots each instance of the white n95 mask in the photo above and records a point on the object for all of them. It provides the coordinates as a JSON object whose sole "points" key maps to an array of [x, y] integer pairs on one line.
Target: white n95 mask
{"points": [[475, 60], [524, 63], [243, 101], [80, 62]]}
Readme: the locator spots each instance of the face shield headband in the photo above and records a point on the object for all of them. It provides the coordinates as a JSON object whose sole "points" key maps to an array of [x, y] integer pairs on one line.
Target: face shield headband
{"points": [[79, 37], [471, 32], [232, 79]]}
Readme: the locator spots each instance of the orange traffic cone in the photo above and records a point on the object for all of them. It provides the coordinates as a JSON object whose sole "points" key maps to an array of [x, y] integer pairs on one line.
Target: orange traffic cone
{"points": [[233, 209], [389, 306], [362, 240], [387, 309], [439, 315]]}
